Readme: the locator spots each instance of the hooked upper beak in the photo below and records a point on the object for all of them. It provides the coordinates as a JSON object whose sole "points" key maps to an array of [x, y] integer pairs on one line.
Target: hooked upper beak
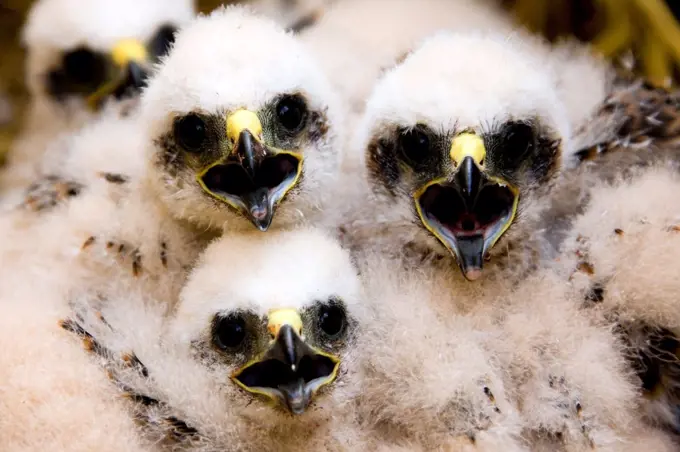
{"points": [[131, 61], [254, 178], [469, 212], [290, 372]]}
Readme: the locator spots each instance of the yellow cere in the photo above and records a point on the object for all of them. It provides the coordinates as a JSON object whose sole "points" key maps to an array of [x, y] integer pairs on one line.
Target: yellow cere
{"points": [[468, 144], [280, 317], [128, 50], [243, 120]]}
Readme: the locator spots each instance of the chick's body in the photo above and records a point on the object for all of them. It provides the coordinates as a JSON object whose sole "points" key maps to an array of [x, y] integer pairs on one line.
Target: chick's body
{"points": [[494, 363], [191, 375], [99, 221], [621, 258], [461, 161], [431, 381], [54, 397]]}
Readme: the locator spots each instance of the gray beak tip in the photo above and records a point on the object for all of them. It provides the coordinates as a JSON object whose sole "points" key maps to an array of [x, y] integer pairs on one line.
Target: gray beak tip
{"points": [[472, 274]]}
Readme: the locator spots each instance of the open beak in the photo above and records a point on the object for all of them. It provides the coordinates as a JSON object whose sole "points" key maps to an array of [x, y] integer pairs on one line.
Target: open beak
{"points": [[254, 178], [469, 212], [131, 60], [290, 372]]}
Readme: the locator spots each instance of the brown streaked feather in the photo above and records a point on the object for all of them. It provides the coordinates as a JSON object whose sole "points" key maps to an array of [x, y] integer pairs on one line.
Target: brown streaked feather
{"points": [[91, 344], [114, 178], [131, 360], [171, 428], [164, 254], [305, 22], [652, 350], [178, 429], [655, 357], [648, 119], [139, 399], [101, 318], [571, 405], [88, 243], [397, 61], [125, 251], [147, 408], [50, 191], [136, 263]]}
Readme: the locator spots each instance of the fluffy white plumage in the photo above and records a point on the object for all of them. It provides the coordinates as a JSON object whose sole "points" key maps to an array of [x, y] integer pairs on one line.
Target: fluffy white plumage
{"points": [[109, 234], [54, 397], [223, 63], [538, 337], [59, 25], [356, 40], [463, 92], [466, 92], [111, 237], [437, 363], [511, 364], [54, 27], [133, 202], [622, 260], [187, 371], [431, 381]]}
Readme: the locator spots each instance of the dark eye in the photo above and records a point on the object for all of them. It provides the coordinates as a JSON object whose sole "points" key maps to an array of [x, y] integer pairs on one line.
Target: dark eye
{"points": [[229, 332], [519, 139], [332, 320], [84, 67], [160, 43], [414, 145], [190, 132], [292, 112]]}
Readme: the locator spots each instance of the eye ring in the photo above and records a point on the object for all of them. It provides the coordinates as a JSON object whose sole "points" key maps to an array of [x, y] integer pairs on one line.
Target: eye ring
{"points": [[332, 320], [518, 140], [162, 41], [291, 112], [80, 72], [414, 145], [229, 332], [84, 67], [190, 132]]}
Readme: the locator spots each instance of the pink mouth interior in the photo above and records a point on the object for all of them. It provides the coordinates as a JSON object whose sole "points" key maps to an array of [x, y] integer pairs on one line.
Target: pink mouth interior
{"points": [[447, 207], [232, 179]]}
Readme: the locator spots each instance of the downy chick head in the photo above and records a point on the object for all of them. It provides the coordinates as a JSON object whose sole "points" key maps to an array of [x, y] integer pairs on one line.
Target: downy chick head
{"points": [[81, 54], [276, 342], [459, 139], [241, 119]]}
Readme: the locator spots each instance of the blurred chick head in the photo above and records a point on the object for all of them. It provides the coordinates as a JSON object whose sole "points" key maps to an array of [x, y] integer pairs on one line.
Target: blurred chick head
{"points": [[459, 138], [270, 335], [242, 120], [91, 51]]}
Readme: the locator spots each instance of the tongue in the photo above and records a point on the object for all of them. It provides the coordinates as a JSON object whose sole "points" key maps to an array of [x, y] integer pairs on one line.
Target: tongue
{"points": [[470, 253], [295, 395], [259, 210]]}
